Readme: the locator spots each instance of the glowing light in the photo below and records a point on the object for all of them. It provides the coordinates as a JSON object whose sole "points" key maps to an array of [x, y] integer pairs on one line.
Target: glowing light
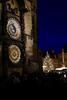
{"points": [[65, 75]]}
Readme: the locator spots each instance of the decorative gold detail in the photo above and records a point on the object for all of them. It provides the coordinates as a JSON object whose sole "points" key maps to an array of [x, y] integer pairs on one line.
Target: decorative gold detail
{"points": [[13, 5], [13, 28], [14, 54]]}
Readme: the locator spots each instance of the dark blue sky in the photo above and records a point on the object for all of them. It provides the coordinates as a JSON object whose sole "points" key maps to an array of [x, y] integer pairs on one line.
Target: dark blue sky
{"points": [[52, 24]]}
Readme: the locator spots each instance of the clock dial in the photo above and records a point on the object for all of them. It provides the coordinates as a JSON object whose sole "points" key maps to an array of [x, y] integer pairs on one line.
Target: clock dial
{"points": [[14, 54], [14, 28]]}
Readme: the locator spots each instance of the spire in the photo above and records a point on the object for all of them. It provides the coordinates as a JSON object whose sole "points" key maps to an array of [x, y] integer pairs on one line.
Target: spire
{"points": [[63, 63]]}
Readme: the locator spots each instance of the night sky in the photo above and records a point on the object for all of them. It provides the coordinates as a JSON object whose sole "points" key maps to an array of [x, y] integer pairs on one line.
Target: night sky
{"points": [[52, 24]]}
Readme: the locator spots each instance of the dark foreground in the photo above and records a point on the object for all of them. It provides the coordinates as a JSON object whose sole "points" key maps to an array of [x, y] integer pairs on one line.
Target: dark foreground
{"points": [[40, 80]]}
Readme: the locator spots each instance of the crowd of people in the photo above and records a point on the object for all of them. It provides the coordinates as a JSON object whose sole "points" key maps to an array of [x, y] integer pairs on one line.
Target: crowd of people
{"points": [[50, 80]]}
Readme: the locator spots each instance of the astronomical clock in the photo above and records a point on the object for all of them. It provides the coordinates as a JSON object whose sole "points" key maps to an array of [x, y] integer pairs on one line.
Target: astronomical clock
{"points": [[13, 28], [13, 45], [19, 36]]}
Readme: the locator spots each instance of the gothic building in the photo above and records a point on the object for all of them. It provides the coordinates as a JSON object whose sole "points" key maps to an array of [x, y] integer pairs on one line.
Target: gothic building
{"points": [[19, 37]]}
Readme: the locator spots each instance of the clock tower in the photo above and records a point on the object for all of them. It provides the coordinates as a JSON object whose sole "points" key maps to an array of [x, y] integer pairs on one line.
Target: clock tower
{"points": [[20, 52], [13, 42]]}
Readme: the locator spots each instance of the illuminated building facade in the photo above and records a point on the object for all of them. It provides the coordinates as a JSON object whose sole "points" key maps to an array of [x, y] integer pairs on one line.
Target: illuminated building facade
{"points": [[19, 32]]}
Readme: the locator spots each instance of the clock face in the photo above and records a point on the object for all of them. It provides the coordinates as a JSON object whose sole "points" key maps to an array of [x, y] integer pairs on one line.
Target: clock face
{"points": [[13, 28], [14, 54]]}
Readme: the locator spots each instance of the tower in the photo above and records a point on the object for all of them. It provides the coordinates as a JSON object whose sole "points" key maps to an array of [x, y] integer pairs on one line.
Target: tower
{"points": [[19, 36], [30, 34], [13, 42]]}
